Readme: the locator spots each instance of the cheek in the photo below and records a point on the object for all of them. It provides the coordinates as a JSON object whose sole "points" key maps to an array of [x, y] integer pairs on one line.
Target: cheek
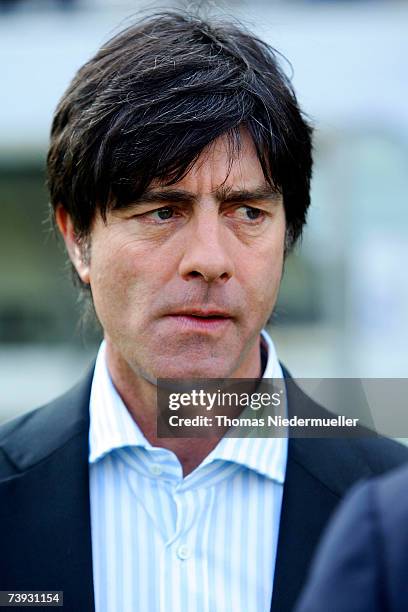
{"points": [[110, 271], [123, 279], [264, 273]]}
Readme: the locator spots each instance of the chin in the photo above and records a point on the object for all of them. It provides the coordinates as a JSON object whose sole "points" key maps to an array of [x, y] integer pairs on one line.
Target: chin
{"points": [[188, 370]]}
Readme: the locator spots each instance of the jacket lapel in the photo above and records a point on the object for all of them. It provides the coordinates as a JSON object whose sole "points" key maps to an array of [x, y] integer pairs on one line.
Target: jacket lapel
{"points": [[318, 473], [306, 505]]}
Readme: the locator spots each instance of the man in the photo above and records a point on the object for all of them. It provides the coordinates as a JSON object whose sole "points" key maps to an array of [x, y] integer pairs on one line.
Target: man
{"points": [[363, 560], [179, 172]]}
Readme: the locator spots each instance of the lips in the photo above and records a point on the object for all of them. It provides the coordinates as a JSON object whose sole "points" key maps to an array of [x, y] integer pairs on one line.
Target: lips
{"points": [[203, 313], [199, 319]]}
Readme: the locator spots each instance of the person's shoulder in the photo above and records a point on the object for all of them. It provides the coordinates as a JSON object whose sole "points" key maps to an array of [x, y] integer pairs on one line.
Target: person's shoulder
{"points": [[382, 503], [391, 485], [389, 493], [31, 437]]}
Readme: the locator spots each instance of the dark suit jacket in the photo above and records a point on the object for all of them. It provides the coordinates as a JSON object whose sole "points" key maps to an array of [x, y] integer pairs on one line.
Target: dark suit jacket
{"points": [[362, 565], [45, 535]]}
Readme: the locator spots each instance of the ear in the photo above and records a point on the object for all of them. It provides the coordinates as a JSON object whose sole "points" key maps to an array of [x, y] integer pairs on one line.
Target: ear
{"points": [[74, 247]]}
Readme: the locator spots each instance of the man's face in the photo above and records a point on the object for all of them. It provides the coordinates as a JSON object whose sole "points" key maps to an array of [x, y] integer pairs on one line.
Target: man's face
{"points": [[184, 279]]}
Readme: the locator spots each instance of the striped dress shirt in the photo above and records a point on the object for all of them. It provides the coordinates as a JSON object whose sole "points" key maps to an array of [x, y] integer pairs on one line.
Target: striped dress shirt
{"points": [[164, 543]]}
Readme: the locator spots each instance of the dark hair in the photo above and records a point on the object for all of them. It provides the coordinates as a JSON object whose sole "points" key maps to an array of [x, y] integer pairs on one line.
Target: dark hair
{"points": [[152, 98]]}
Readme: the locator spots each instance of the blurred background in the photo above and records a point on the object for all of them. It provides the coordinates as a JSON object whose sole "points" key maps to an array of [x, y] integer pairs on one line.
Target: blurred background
{"points": [[343, 307]]}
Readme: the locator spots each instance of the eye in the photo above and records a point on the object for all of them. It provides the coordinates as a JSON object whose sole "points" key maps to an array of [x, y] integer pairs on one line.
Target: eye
{"points": [[252, 213], [163, 213], [248, 213]]}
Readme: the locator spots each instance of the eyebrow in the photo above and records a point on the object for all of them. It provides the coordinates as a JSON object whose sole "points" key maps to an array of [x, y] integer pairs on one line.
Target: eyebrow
{"points": [[224, 195]]}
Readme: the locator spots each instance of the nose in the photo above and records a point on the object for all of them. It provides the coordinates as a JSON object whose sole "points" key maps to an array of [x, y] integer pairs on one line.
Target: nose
{"points": [[205, 255]]}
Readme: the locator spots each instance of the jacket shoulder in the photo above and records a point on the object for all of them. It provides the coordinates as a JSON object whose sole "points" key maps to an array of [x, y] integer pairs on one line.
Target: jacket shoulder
{"points": [[339, 461], [30, 438], [382, 454]]}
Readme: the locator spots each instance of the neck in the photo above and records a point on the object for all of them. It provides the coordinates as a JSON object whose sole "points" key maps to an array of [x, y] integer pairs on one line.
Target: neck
{"points": [[140, 397]]}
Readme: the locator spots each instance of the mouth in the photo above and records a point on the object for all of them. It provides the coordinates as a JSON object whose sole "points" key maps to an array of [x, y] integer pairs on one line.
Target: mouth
{"points": [[201, 319]]}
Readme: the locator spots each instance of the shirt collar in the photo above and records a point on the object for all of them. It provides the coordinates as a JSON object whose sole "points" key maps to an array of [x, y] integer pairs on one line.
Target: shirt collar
{"points": [[267, 456], [112, 427]]}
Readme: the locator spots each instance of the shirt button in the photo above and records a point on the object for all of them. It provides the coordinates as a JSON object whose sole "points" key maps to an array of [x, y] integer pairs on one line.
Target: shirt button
{"points": [[183, 552], [156, 469]]}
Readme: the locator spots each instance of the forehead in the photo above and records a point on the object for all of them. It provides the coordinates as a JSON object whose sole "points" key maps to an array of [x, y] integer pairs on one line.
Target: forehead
{"points": [[224, 164]]}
